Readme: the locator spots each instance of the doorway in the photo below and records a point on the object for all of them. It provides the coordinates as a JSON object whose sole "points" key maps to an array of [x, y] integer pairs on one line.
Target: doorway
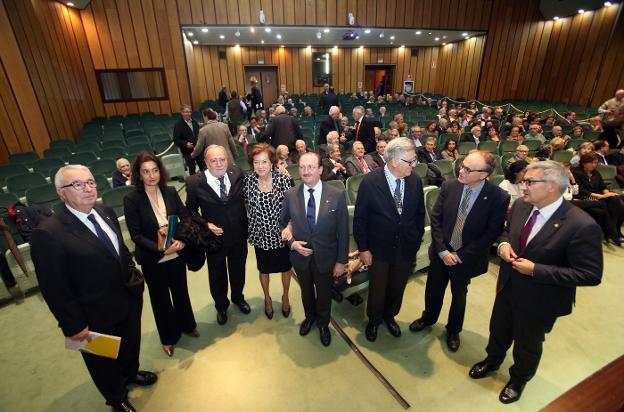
{"points": [[267, 82], [379, 79]]}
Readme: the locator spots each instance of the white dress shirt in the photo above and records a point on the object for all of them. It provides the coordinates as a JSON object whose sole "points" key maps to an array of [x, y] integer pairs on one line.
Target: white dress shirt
{"points": [[83, 217], [214, 183], [318, 190]]}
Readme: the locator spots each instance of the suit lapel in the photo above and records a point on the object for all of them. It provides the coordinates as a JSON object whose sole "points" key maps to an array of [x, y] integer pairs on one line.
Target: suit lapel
{"points": [[518, 224], [203, 183], [551, 226], [82, 232], [301, 206], [382, 181]]}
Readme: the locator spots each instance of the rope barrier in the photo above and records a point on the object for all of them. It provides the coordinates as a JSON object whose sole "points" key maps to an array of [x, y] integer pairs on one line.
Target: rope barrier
{"points": [[166, 150]]}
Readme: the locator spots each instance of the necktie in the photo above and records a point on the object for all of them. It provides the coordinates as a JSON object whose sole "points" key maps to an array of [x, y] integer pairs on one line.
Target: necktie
{"points": [[526, 230], [102, 235], [311, 213], [222, 188], [363, 165], [397, 196], [357, 130], [456, 237]]}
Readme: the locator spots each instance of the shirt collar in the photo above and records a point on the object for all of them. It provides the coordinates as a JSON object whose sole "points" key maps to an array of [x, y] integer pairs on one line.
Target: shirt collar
{"points": [[80, 215], [477, 188], [210, 176], [549, 210], [316, 187]]}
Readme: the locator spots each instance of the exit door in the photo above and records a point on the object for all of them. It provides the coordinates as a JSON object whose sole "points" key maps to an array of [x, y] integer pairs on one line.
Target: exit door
{"points": [[267, 82]]}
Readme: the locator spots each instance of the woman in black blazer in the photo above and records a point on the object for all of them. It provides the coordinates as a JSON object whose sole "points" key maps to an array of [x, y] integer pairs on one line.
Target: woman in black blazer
{"points": [[146, 210]]}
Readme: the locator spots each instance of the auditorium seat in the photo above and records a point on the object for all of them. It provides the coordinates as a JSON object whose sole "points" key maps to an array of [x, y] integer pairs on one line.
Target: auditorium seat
{"points": [[113, 198], [507, 146], [562, 156], [44, 166], [82, 158], [62, 153], [10, 170], [102, 166], [18, 184], [353, 185], [23, 158], [44, 195], [463, 148], [174, 163], [293, 170], [446, 168]]}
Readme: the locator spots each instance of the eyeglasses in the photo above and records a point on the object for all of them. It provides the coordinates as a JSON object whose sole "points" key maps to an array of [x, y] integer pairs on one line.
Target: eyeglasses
{"points": [[529, 182], [410, 162], [80, 185], [469, 170]]}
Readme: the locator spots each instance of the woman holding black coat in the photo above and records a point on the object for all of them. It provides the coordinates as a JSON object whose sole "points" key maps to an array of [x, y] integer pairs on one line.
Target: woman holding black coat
{"points": [[147, 211]]}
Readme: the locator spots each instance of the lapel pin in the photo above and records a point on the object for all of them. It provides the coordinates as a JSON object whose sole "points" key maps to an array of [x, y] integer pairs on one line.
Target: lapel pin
{"points": [[556, 225], [484, 197]]}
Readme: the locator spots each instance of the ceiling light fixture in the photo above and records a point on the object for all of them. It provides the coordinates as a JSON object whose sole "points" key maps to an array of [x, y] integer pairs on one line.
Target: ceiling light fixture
{"points": [[418, 33], [367, 31], [195, 42], [607, 3], [581, 11], [464, 34], [444, 37], [251, 29], [361, 47], [437, 39], [309, 47], [70, 4], [205, 30], [556, 18], [237, 33], [261, 41], [391, 37], [237, 46], [326, 30], [319, 35], [279, 36], [282, 46], [382, 35], [335, 47], [221, 36], [268, 30], [430, 33], [443, 44], [190, 33], [402, 46]]}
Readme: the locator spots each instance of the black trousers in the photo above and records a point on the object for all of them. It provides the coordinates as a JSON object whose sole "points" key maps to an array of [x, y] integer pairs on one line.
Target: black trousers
{"points": [[110, 375], [508, 325], [190, 163], [170, 299], [227, 262], [438, 278], [387, 281], [600, 213], [315, 293], [5, 272]]}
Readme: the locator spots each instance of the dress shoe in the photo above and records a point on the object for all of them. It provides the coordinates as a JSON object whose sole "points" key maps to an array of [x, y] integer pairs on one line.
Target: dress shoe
{"points": [[221, 317], [269, 313], [285, 309], [482, 369], [371, 331], [143, 378], [325, 335], [244, 307], [393, 328], [194, 333], [305, 327], [418, 325], [452, 341], [168, 349], [124, 406], [511, 392]]}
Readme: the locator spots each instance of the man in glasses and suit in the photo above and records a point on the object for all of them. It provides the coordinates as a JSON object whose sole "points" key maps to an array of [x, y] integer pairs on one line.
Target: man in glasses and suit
{"points": [[82, 266], [466, 219], [548, 248]]}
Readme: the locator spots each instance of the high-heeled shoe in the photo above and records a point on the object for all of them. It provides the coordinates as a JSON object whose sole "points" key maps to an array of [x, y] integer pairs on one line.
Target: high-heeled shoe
{"points": [[269, 314], [194, 333], [285, 311], [168, 349]]}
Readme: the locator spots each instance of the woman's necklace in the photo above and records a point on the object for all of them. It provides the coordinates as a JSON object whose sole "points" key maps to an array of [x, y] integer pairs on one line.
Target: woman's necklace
{"points": [[265, 184]]}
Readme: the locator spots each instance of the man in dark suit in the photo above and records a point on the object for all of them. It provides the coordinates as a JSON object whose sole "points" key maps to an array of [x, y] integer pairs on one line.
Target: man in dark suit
{"points": [[378, 155], [548, 248], [429, 153], [185, 134], [363, 130], [318, 236], [328, 99], [121, 176], [359, 163], [388, 226], [82, 266], [333, 168], [218, 194], [474, 137], [283, 129], [466, 219], [328, 124]]}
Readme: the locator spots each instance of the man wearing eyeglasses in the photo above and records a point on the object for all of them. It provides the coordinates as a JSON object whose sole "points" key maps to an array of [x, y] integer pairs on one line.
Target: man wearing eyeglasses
{"points": [[388, 226], [466, 219], [548, 248], [81, 263]]}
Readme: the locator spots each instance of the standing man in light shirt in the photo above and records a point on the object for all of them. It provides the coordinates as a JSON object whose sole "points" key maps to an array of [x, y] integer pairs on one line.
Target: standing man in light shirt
{"points": [[548, 248], [314, 221], [466, 219], [363, 130]]}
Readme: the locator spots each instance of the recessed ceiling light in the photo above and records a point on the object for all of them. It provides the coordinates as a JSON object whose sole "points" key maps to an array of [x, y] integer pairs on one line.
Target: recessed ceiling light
{"points": [[391, 42], [391, 37], [205, 30], [607, 3], [444, 37], [361, 47], [268, 30], [237, 34], [279, 36], [70, 4], [282, 46], [309, 47], [325, 30], [437, 39], [464, 34], [251, 29], [418, 33], [443, 44], [581, 11], [190, 33], [221, 36], [556, 18], [335, 47], [319, 35], [430, 33], [195, 42], [261, 41], [402, 46], [367, 31], [237, 46], [382, 35]]}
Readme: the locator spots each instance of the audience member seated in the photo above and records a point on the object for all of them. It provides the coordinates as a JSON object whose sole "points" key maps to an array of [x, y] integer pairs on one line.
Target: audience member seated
{"points": [[596, 124], [513, 176], [584, 148], [428, 153], [123, 175], [514, 134], [432, 128], [244, 138], [475, 136], [557, 144], [393, 125], [577, 132], [535, 133], [449, 151], [569, 120], [333, 167], [493, 135], [283, 159], [416, 136], [601, 147], [300, 148], [593, 188], [522, 153], [557, 131], [378, 155], [307, 112], [617, 160], [359, 162]]}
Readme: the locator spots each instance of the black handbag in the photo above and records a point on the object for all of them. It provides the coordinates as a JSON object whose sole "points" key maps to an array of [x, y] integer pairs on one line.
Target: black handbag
{"points": [[199, 241]]}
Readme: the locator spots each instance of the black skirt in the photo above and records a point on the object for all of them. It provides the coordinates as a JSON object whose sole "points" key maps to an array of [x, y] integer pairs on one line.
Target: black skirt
{"points": [[273, 260]]}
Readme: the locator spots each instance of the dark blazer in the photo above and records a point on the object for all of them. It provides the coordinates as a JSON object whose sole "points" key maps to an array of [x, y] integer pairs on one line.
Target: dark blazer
{"points": [[378, 159], [231, 216], [425, 157], [330, 238], [182, 134], [327, 100], [326, 126], [119, 179], [567, 252], [354, 168], [377, 225], [283, 129], [143, 225], [483, 225], [470, 138], [366, 134], [328, 173], [80, 280]]}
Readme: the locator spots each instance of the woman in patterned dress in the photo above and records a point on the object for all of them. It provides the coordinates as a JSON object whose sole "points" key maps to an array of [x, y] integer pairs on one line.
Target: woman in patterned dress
{"points": [[264, 190]]}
